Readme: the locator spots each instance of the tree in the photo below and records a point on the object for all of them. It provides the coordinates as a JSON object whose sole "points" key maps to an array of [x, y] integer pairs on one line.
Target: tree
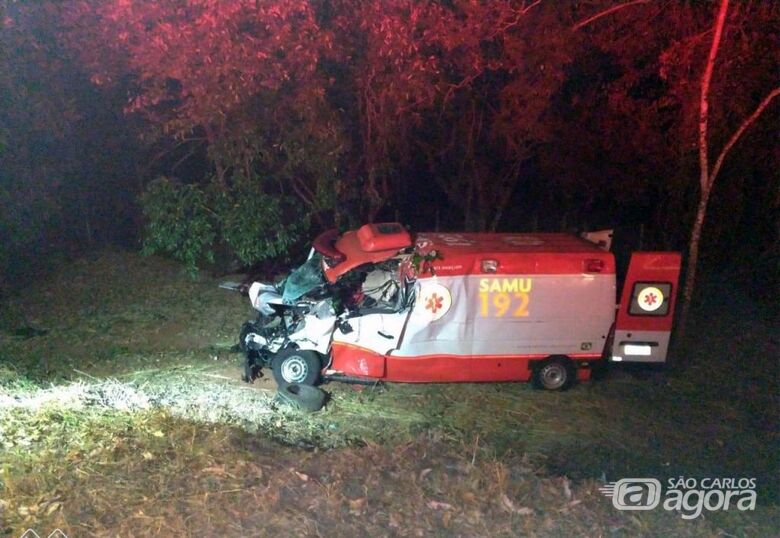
{"points": [[347, 105], [238, 80], [668, 119], [450, 78], [218, 72], [708, 176], [627, 119]]}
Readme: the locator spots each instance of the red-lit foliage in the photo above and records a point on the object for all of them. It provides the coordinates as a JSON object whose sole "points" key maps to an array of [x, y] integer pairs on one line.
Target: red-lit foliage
{"points": [[416, 64], [492, 113], [470, 88], [208, 65], [195, 61]]}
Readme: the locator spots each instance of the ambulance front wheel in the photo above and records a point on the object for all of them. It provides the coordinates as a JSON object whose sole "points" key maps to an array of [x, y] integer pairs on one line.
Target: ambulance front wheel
{"points": [[557, 373], [296, 366]]}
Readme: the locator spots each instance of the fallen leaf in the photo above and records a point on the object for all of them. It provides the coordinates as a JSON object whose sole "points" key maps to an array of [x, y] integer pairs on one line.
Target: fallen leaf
{"points": [[215, 469], [302, 476], [424, 473], [158, 433], [53, 507], [469, 496], [507, 502], [356, 505], [438, 505], [148, 455], [509, 506], [394, 522], [256, 469], [23, 511], [566, 488]]}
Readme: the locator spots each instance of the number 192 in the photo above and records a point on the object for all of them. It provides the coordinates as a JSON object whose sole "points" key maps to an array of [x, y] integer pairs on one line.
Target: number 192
{"points": [[501, 303]]}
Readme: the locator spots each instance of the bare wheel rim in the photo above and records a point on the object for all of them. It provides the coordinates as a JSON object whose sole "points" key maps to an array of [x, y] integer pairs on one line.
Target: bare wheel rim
{"points": [[553, 376], [294, 369]]}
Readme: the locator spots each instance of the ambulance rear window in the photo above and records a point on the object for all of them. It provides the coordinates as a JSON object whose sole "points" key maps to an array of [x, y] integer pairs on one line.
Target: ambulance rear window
{"points": [[650, 299]]}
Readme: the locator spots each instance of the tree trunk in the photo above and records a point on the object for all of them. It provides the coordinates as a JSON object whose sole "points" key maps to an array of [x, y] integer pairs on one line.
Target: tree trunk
{"points": [[693, 257], [704, 174], [219, 168]]}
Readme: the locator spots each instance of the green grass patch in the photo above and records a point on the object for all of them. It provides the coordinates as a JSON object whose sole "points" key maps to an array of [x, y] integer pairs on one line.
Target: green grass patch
{"points": [[114, 314]]}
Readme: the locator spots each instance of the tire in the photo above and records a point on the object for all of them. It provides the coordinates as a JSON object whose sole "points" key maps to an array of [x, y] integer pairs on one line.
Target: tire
{"points": [[556, 373], [293, 366], [303, 397]]}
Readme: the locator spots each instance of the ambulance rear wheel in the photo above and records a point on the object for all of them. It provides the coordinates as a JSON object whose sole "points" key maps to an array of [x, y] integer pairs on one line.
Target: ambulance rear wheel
{"points": [[557, 373]]}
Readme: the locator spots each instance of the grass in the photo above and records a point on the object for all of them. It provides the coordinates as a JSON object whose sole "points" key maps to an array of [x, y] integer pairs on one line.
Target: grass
{"points": [[117, 313], [118, 420]]}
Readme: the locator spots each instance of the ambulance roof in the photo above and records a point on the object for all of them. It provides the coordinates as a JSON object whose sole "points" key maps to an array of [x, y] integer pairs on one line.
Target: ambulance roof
{"points": [[459, 253], [480, 243], [506, 253]]}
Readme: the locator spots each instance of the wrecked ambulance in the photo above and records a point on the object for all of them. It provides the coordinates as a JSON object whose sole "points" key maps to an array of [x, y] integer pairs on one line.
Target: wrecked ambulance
{"points": [[376, 304]]}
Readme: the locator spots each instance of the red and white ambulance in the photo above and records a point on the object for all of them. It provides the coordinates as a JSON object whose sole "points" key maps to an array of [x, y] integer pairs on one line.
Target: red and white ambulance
{"points": [[377, 304]]}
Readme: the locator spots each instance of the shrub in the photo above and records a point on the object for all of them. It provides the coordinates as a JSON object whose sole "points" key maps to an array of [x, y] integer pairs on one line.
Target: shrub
{"points": [[185, 221]]}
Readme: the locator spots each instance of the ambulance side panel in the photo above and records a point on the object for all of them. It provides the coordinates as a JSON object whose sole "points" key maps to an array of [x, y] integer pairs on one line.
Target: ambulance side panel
{"points": [[488, 327], [562, 315], [488, 315]]}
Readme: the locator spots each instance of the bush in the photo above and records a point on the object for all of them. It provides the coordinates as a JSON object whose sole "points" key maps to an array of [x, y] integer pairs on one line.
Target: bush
{"points": [[257, 226], [185, 221], [179, 222]]}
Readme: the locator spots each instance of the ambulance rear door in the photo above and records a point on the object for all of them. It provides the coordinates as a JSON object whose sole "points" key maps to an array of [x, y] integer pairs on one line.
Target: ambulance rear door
{"points": [[645, 314]]}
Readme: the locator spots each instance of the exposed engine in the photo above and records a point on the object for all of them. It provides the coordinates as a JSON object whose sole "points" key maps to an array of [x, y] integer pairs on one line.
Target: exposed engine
{"points": [[302, 310]]}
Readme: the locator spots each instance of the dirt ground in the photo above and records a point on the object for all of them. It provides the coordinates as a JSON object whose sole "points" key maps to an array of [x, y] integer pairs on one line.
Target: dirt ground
{"points": [[122, 414]]}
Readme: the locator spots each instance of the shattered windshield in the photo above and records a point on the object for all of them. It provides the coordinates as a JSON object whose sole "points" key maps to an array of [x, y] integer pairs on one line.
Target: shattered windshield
{"points": [[303, 279]]}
